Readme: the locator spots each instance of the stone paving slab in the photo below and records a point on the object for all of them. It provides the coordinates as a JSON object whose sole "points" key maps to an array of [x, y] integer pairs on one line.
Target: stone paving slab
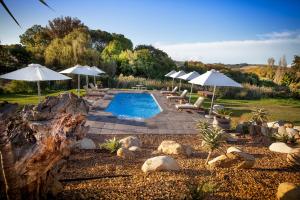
{"points": [[169, 121]]}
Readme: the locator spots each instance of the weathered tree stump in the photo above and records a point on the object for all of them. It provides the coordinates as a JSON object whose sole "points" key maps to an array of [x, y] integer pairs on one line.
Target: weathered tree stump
{"points": [[35, 142]]}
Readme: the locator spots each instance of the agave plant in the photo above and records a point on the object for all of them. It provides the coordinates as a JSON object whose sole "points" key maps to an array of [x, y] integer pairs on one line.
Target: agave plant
{"points": [[259, 116], [213, 138], [224, 113], [112, 145]]}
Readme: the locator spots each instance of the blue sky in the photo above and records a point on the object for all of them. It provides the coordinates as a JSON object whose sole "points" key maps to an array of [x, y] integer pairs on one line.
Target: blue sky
{"points": [[228, 31]]}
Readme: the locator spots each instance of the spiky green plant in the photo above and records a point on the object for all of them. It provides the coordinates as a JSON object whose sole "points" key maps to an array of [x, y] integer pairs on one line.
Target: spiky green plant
{"points": [[213, 138], [112, 145], [224, 113], [284, 138], [259, 116]]}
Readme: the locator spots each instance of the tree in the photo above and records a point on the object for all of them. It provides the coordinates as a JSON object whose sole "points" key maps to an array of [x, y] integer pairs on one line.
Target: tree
{"points": [[62, 26], [36, 40], [282, 62], [100, 39], [74, 48], [271, 62], [296, 64], [112, 51]]}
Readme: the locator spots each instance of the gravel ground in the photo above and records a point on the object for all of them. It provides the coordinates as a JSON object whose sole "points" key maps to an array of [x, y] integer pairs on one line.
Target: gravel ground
{"points": [[260, 182]]}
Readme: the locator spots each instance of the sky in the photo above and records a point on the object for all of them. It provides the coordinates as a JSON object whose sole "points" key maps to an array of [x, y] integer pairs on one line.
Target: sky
{"points": [[212, 31]]}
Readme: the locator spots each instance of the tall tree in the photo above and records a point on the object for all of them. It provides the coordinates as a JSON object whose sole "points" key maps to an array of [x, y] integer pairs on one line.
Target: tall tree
{"points": [[296, 63], [282, 61], [271, 62], [36, 40], [62, 26]]}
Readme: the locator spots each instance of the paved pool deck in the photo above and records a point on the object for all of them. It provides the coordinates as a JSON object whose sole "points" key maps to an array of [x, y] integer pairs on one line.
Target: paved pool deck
{"points": [[169, 121]]}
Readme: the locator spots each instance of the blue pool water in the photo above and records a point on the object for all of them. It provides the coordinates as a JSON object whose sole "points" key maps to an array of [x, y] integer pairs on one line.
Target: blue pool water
{"points": [[133, 105]]}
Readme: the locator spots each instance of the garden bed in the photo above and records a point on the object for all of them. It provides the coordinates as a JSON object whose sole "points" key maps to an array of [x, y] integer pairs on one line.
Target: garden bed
{"points": [[100, 167]]}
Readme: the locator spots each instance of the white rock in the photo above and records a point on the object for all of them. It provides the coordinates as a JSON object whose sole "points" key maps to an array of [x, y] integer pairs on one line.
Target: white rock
{"points": [[274, 124], [124, 153], [134, 148], [86, 143], [233, 149], [291, 131], [280, 147], [160, 163], [130, 141], [172, 147]]}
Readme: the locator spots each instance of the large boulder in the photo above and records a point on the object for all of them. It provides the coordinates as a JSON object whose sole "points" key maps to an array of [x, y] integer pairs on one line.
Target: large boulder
{"points": [[234, 158], [172, 147], [294, 157], [125, 153], [288, 191], [86, 143], [280, 147], [130, 141], [160, 163]]}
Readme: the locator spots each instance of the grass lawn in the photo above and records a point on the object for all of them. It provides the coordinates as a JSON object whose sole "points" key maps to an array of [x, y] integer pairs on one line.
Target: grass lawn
{"points": [[279, 109], [23, 99]]}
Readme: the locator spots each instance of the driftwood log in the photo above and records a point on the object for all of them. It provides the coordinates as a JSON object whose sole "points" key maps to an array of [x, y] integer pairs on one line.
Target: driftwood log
{"points": [[35, 143]]}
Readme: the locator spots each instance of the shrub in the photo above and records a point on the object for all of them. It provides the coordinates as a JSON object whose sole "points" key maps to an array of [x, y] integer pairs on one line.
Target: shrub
{"points": [[20, 87], [198, 192], [112, 145], [259, 116], [213, 138]]}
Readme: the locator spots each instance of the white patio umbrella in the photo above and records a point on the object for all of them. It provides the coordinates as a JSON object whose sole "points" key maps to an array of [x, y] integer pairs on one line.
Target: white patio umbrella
{"points": [[216, 79], [176, 75], [170, 73], [188, 77], [79, 70], [35, 72], [99, 71]]}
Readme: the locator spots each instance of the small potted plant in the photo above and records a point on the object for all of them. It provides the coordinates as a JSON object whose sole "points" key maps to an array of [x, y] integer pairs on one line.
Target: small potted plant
{"points": [[258, 118], [222, 119]]}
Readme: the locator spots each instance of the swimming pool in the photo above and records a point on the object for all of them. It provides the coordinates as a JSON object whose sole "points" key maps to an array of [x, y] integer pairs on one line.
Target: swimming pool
{"points": [[134, 105]]}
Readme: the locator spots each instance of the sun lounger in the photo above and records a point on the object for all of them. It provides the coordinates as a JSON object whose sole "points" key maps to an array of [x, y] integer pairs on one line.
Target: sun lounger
{"points": [[98, 89], [90, 92], [197, 105], [182, 96], [170, 92]]}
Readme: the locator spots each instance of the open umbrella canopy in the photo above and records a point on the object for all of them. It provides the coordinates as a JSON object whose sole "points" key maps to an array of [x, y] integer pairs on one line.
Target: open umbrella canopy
{"points": [[81, 70], [170, 73], [34, 72], [189, 76], [98, 70], [177, 75], [214, 78]]}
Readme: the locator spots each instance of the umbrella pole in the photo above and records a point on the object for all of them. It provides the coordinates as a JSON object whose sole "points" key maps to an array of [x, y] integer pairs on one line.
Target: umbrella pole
{"points": [[78, 89], [191, 93], [94, 80], [212, 101], [179, 85], [39, 90], [173, 84], [87, 81]]}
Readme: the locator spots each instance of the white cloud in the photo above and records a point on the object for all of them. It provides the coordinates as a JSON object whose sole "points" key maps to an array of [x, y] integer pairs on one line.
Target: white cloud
{"points": [[232, 52]]}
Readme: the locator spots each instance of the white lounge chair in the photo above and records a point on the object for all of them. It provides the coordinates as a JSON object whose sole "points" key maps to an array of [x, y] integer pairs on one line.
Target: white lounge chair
{"points": [[98, 89], [197, 105], [170, 92], [182, 96], [90, 92]]}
